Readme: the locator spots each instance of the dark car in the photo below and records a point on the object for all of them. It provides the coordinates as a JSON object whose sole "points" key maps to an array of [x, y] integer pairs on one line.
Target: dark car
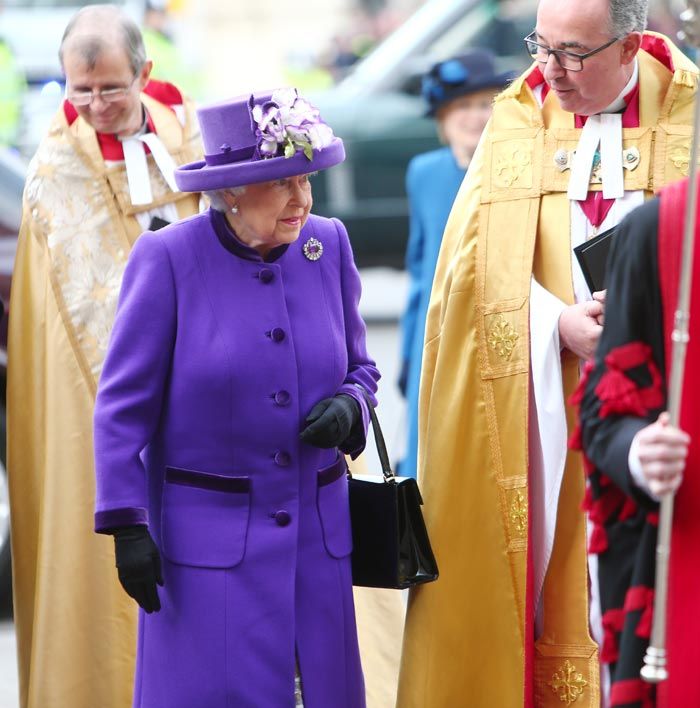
{"points": [[378, 111], [12, 173]]}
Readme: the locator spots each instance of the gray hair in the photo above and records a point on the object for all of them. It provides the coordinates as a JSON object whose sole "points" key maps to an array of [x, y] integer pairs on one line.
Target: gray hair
{"points": [[102, 20], [216, 197], [628, 16]]}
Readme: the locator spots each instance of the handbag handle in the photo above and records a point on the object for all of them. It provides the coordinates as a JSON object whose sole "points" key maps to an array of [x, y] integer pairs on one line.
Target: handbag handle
{"points": [[389, 476]]}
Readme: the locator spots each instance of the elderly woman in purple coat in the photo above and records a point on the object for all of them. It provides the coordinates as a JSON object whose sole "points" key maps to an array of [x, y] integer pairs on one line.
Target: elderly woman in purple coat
{"points": [[235, 379]]}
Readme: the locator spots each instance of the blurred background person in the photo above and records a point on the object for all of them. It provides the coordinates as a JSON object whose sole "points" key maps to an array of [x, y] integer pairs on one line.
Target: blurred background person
{"points": [[12, 90], [219, 441], [169, 61], [459, 93], [101, 176]]}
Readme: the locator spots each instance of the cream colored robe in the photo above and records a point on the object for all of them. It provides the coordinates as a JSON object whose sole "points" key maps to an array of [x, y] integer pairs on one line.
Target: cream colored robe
{"points": [[76, 627]]}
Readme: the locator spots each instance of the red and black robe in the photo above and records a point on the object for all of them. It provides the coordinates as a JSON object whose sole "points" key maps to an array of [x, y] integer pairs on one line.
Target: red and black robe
{"points": [[624, 391]]}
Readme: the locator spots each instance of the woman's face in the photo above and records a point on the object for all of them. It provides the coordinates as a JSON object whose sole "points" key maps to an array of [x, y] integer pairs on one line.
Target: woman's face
{"points": [[271, 214], [463, 120]]}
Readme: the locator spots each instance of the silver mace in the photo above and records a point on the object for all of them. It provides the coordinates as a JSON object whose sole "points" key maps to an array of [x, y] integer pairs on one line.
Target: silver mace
{"points": [[654, 669]]}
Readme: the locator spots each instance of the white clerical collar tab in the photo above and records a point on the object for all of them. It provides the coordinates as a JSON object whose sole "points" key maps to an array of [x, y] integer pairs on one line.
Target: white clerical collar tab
{"points": [[137, 171], [604, 130], [136, 164]]}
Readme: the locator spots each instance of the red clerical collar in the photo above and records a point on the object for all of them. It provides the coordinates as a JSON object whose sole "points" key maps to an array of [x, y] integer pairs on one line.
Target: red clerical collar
{"points": [[111, 146]]}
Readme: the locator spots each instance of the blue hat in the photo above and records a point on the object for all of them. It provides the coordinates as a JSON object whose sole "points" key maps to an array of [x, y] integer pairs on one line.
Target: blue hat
{"points": [[462, 75]]}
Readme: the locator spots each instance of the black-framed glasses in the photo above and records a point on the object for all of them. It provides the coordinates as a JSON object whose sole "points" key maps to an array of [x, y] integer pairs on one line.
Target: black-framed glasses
{"points": [[570, 61], [85, 98]]}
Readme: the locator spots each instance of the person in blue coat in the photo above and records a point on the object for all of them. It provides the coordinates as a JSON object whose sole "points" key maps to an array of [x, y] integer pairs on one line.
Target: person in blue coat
{"points": [[460, 93]]}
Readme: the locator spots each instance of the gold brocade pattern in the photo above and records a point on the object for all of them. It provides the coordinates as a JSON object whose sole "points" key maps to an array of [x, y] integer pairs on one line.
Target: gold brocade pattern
{"points": [[680, 157], [568, 683], [502, 338], [87, 247], [475, 405], [518, 514]]}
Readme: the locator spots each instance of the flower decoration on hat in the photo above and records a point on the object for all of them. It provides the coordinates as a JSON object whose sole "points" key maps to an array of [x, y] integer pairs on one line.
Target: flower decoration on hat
{"points": [[287, 124]]}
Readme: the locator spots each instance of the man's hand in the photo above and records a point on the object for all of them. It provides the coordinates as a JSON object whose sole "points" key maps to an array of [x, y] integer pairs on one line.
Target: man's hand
{"points": [[579, 329], [662, 451], [599, 296]]}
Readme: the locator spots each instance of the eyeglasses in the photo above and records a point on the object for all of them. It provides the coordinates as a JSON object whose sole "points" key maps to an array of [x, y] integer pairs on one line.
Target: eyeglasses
{"points": [[85, 98], [570, 61]]}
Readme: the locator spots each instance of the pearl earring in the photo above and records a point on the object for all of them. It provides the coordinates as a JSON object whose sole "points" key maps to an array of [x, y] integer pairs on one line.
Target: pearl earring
{"points": [[234, 209]]}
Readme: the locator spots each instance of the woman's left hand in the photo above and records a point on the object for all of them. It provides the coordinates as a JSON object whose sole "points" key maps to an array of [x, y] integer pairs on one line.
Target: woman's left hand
{"points": [[330, 422]]}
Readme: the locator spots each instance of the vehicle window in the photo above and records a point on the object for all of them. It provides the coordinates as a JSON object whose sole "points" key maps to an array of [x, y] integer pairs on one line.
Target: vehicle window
{"points": [[499, 27]]}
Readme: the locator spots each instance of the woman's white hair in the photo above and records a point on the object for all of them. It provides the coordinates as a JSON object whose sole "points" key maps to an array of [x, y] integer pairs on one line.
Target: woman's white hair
{"points": [[217, 200]]}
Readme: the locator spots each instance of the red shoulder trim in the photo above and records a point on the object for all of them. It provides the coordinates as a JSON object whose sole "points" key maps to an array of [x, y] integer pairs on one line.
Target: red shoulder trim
{"points": [[69, 111], [164, 92], [659, 49]]}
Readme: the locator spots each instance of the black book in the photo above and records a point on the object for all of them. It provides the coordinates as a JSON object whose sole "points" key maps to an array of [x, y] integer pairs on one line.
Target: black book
{"points": [[593, 256]]}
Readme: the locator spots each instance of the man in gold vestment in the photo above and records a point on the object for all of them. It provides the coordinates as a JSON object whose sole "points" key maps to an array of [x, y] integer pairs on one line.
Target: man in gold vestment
{"points": [[101, 176], [600, 121]]}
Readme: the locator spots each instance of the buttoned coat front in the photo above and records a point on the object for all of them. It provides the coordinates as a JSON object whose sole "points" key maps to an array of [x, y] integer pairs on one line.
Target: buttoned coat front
{"points": [[216, 358]]}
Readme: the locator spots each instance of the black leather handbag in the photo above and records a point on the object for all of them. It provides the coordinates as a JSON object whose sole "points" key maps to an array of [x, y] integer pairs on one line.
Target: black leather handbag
{"points": [[391, 548]]}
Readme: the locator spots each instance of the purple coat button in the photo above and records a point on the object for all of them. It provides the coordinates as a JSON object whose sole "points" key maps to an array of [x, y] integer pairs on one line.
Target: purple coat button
{"points": [[282, 459], [278, 334], [282, 398], [283, 518], [266, 275]]}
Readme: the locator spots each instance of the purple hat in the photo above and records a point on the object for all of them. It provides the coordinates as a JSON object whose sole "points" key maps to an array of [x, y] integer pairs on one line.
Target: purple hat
{"points": [[259, 138]]}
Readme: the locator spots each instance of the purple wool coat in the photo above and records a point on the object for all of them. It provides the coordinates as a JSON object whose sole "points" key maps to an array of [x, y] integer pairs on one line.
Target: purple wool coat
{"points": [[216, 358]]}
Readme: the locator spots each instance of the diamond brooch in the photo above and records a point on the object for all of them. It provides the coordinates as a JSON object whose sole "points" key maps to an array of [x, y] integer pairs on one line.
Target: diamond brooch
{"points": [[313, 249]]}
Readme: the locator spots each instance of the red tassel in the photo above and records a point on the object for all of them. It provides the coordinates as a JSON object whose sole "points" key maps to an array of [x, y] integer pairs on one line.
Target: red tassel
{"points": [[653, 518], [613, 621], [629, 509], [587, 499], [628, 356], [577, 396], [575, 442], [641, 598], [599, 540], [619, 395]]}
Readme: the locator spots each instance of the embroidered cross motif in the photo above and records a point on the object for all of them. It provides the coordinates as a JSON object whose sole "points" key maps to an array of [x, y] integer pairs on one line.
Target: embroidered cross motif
{"points": [[502, 338], [518, 514], [568, 683], [510, 169]]}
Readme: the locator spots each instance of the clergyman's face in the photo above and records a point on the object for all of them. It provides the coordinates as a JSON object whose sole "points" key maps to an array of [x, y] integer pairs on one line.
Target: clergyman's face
{"points": [[582, 26], [111, 70]]}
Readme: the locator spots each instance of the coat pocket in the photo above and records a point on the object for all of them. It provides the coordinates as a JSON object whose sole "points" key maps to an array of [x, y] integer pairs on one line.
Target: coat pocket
{"points": [[204, 518], [334, 508]]}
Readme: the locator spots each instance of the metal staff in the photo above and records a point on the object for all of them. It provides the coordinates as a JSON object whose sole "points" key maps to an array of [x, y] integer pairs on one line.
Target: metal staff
{"points": [[654, 669]]}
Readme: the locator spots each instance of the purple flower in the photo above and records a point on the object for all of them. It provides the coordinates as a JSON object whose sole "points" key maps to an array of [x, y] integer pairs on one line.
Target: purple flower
{"points": [[288, 123]]}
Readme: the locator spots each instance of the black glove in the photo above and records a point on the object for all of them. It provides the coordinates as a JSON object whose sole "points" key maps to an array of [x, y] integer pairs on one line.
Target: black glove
{"points": [[138, 565], [331, 421], [402, 381]]}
